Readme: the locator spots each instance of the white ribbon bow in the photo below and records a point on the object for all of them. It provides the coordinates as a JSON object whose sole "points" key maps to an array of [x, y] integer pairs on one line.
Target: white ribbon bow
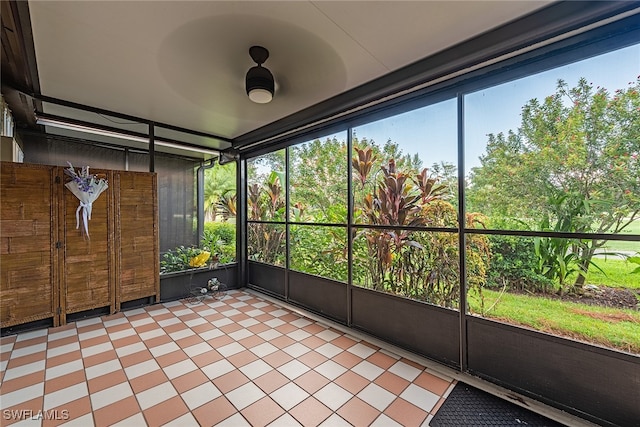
{"points": [[86, 216]]}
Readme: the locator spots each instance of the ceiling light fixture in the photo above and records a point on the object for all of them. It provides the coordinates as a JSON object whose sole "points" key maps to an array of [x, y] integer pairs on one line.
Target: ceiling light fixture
{"points": [[61, 123], [259, 80]]}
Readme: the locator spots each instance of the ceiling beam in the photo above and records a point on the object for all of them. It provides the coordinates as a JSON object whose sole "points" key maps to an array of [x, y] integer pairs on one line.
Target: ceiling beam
{"points": [[123, 116], [19, 67]]}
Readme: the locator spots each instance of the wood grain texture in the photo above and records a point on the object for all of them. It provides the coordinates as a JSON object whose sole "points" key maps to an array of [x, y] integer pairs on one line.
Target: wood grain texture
{"points": [[87, 275], [26, 243], [50, 268], [136, 224]]}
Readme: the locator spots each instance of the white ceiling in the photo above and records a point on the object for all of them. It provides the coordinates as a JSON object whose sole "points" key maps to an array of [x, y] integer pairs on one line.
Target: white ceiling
{"points": [[184, 63]]}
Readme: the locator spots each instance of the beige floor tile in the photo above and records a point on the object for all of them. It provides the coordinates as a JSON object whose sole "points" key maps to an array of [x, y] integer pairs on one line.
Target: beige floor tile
{"points": [[165, 412], [188, 381], [432, 383], [230, 381], [23, 381], [392, 382], [242, 358], [271, 381], [311, 381], [214, 412], [69, 412], [116, 412], [171, 358], [107, 380], [148, 380]]}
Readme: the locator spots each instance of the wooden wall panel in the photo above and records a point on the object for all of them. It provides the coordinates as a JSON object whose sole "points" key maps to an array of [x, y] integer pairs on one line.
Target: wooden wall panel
{"points": [[27, 239], [49, 268], [87, 276], [137, 236]]}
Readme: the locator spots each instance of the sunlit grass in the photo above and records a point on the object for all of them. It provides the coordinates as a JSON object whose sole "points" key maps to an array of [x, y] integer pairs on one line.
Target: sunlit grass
{"points": [[616, 328], [617, 273], [616, 245]]}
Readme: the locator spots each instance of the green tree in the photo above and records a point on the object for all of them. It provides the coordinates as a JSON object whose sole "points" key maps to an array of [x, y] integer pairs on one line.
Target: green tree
{"points": [[572, 166], [219, 186], [317, 182]]}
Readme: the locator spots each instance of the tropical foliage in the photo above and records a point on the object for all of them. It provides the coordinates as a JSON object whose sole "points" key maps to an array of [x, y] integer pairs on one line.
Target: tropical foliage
{"points": [[218, 241], [317, 181], [220, 192], [266, 202], [183, 258], [572, 166], [219, 238], [319, 250], [417, 264]]}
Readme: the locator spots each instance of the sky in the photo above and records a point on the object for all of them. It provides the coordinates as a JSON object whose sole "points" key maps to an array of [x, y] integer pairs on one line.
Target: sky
{"points": [[432, 131]]}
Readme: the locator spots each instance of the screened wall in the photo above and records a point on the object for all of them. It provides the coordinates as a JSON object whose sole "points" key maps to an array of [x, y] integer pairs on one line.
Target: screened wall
{"points": [[176, 179], [544, 170], [505, 201]]}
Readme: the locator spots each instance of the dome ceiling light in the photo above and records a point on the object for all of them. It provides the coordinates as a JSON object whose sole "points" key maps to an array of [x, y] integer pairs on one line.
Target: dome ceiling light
{"points": [[259, 80]]}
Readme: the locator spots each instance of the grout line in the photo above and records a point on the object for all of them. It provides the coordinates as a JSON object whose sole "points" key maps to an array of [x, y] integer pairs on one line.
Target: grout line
{"points": [[444, 372], [449, 389], [437, 368]]}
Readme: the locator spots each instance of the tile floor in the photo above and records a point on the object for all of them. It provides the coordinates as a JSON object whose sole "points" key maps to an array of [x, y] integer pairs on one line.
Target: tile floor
{"points": [[238, 361]]}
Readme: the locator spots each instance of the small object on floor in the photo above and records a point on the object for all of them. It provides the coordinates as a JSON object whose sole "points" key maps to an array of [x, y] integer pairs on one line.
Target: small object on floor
{"points": [[214, 289], [469, 406]]}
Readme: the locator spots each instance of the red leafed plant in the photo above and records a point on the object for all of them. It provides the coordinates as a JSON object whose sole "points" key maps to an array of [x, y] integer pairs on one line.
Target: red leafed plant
{"points": [[417, 264]]}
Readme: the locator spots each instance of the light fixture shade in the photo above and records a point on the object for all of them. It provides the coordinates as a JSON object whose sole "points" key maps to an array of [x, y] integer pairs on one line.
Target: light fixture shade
{"points": [[259, 80], [260, 96], [260, 86]]}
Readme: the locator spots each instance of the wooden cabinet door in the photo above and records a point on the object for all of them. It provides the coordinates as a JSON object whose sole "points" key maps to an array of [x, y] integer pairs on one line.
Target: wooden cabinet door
{"points": [[27, 244], [87, 278], [136, 235]]}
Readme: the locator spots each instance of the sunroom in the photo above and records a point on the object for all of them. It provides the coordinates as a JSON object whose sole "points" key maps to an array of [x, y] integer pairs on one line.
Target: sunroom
{"points": [[419, 197]]}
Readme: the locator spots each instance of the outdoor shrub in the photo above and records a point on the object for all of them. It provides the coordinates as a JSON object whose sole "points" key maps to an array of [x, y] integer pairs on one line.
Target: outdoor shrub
{"points": [[514, 262], [225, 231], [220, 239], [178, 259], [416, 264], [320, 251], [265, 242]]}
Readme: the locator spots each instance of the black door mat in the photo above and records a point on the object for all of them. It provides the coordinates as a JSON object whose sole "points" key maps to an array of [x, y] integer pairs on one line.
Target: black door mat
{"points": [[469, 406]]}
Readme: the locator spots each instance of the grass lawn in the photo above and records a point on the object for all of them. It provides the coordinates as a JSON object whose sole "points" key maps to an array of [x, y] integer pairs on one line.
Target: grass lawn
{"points": [[633, 228], [608, 327], [617, 273]]}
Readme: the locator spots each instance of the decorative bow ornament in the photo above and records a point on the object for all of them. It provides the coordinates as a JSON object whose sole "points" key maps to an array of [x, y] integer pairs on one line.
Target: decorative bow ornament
{"points": [[86, 188]]}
